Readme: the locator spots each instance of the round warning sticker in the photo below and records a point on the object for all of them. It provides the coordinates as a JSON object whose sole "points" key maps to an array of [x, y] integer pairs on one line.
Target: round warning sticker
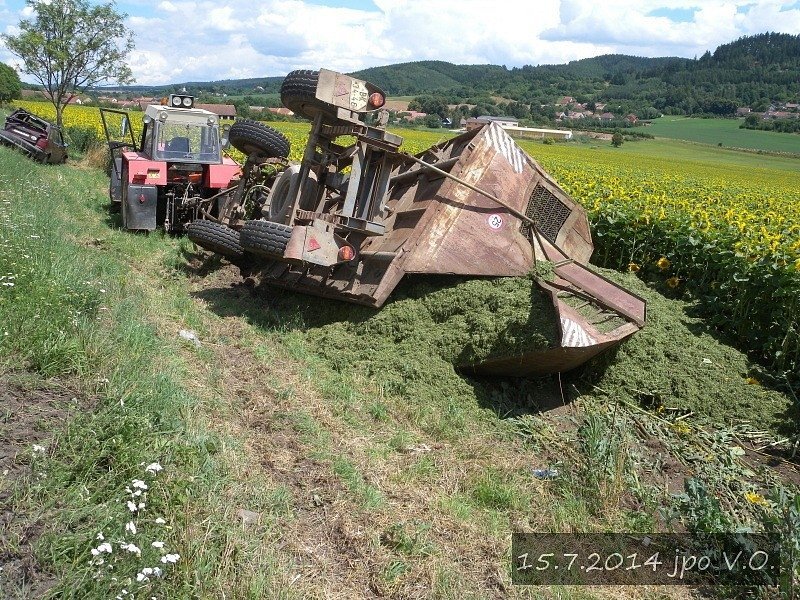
{"points": [[495, 221]]}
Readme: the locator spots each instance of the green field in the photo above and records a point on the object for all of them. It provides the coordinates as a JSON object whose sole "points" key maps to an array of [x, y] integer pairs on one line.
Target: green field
{"points": [[725, 132]]}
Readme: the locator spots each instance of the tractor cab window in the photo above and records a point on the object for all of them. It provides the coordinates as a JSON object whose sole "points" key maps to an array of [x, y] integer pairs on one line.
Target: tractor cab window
{"points": [[187, 141]]}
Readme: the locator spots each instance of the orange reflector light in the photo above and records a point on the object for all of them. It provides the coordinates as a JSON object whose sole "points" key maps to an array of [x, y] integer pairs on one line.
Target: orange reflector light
{"points": [[346, 253], [195, 177], [376, 100]]}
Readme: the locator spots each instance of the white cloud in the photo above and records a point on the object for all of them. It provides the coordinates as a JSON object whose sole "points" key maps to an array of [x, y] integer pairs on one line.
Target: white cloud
{"points": [[182, 40]]}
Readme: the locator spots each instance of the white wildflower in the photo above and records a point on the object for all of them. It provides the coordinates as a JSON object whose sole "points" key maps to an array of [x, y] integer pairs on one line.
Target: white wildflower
{"points": [[130, 527], [157, 571], [104, 547], [100, 536], [160, 521], [153, 468], [139, 484], [38, 448], [132, 548], [140, 506], [131, 506], [140, 577], [170, 558], [147, 571], [157, 544]]}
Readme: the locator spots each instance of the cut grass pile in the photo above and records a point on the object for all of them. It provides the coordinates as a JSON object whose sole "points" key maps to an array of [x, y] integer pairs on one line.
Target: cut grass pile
{"points": [[412, 346]]}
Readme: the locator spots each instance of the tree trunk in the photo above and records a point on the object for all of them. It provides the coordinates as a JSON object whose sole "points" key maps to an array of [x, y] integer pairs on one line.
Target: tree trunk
{"points": [[59, 115]]}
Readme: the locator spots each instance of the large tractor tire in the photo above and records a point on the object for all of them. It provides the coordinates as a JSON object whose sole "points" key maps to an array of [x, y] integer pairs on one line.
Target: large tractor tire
{"points": [[254, 138], [216, 237], [299, 94], [265, 238]]}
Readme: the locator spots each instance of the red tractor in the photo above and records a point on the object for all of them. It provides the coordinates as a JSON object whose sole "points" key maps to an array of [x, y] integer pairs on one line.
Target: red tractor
{"points": [[176, 171]]}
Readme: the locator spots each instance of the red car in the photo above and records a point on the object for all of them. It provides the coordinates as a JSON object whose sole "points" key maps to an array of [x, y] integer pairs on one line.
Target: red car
{"points": [[39, 139]]}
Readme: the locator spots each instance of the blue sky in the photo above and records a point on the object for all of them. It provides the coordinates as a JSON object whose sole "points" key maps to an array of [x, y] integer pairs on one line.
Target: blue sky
{"points": [[182, 40]]}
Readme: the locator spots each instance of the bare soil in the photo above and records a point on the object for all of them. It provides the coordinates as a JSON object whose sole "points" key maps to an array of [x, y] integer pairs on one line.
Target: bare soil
{"points": [[29, 410]]}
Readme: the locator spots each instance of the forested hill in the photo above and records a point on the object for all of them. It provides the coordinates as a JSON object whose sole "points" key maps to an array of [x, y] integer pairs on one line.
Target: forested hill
{"points": [[753, 71], [437, 76]]}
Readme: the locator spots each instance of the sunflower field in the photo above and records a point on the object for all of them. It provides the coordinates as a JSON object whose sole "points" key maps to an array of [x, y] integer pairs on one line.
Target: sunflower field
{"points": [[727, 236]]}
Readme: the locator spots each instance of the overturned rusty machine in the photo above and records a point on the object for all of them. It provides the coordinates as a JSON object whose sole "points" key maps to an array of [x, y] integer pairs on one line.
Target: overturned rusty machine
{"points": [[351, 220]]}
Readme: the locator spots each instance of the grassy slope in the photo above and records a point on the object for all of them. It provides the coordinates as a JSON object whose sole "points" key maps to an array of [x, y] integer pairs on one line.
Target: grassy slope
{"points": [[724, 131], [338, 467]]}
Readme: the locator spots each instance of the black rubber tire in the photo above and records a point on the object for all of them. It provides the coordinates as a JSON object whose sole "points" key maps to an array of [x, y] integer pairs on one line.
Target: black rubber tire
{"points": [[215, 237], [299, 94], [251, 137], [265, 238]]}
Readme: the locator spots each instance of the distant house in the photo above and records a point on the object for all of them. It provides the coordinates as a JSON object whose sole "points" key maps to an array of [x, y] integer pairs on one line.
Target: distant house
{"points": [[782, 114], [225, 112], [742, 111], [565, 100], [791, 106], [411, 115], [599, 107], [281, 110], [573, 115], [478, 122], [607, 116], [537, 133], [632, 119], [447, 122]]}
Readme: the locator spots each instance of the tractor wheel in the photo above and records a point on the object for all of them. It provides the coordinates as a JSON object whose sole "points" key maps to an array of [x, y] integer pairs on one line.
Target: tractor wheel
{"points": [[265, 238], [251, 137], [215, 237], [299, 94]]}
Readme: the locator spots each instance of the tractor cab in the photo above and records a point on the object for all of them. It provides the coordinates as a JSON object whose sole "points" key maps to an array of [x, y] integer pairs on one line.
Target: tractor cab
{"points": [[180, 133], [174, 171]]}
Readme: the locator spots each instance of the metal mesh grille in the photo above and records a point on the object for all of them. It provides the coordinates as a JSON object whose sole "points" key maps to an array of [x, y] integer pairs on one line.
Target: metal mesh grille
{"points": [[547, 211]]}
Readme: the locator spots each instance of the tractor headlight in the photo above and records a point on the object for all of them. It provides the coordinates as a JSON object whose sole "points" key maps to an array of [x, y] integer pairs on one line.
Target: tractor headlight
{"points": [[187, 102], [162, 116], [176, 101]]}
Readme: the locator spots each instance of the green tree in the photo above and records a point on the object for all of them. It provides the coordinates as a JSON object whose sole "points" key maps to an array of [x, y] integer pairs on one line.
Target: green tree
{"points": [[70, 45], [617, 139], [9, 83], [433, 121]]}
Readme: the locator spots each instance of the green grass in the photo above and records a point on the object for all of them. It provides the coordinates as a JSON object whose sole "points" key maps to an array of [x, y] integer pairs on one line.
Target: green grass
{"points": [[84, 309], [369, 459], [723, 131]]}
